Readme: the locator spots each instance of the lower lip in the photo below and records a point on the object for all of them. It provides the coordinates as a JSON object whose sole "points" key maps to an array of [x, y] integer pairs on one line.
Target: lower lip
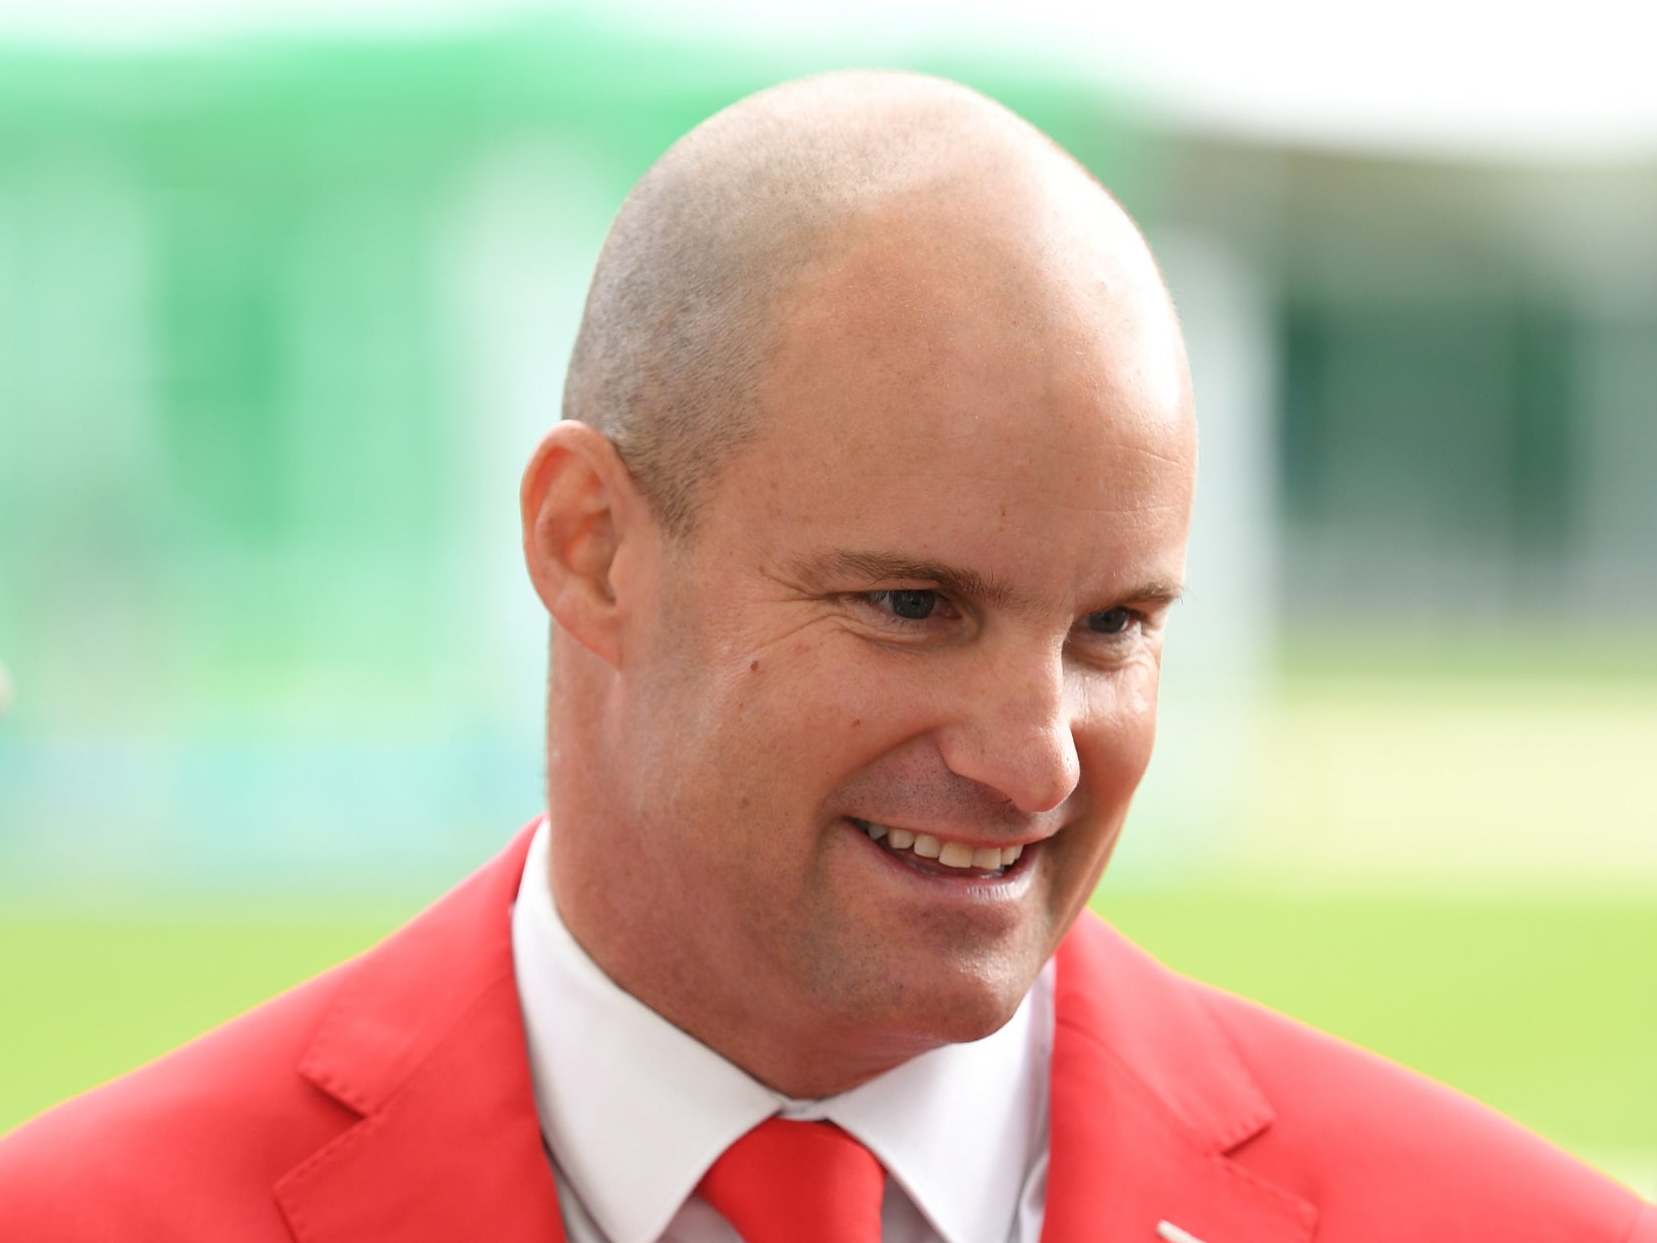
{"points": [[1008, 886]]}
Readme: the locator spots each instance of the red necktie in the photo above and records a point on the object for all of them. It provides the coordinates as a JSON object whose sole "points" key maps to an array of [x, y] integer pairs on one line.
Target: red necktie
{"points": [[797, 1182]]}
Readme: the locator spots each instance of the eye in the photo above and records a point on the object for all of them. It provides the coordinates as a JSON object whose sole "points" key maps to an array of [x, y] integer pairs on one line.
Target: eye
{"points": [[911, 604], [1110, 621]]}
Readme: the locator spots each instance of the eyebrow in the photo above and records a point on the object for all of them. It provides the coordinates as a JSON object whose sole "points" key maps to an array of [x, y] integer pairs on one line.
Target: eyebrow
{"points": [[956, 581]]}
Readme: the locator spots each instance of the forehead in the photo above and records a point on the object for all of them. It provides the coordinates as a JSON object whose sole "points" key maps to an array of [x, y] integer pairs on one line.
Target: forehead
{"points": [[962, 402], [920, 306]]}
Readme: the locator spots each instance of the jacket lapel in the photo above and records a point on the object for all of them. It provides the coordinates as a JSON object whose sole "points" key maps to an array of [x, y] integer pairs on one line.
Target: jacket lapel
{"points": [[424, 1040], [1148, 1098]]}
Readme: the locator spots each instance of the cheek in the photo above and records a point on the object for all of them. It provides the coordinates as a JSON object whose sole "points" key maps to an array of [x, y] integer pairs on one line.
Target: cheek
{"points": [[783, 723], [824, 688], [1118, 730]]}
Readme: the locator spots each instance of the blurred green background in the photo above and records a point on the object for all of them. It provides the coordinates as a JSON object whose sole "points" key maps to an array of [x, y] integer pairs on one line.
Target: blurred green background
{"points": [[282, 314]]}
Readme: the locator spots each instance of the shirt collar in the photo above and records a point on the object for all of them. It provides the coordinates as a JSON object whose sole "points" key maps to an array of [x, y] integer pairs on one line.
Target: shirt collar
{"points": [[635, 1110]]}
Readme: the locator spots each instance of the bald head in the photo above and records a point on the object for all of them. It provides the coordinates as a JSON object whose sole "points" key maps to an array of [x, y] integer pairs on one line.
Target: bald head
{"points": [[693, 288]]}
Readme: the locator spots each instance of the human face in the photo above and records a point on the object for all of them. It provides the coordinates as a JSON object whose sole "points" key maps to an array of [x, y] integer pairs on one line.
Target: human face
{"points": [[930, 598]]}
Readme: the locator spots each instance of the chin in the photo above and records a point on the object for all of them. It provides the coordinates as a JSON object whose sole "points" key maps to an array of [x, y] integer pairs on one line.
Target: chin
{"points": [[937, 991], [980, 1021], [972, 1006]]}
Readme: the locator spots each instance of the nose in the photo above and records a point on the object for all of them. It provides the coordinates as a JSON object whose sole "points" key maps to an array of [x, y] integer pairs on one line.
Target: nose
{"points": [[1014, 732]]}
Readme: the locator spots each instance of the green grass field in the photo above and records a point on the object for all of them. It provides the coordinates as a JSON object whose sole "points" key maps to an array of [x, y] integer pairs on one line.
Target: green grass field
{"points": [[1544, 1010]]}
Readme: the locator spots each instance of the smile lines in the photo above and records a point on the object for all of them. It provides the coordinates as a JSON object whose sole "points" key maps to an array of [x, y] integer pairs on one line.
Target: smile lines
{"points": [[949, 854]]}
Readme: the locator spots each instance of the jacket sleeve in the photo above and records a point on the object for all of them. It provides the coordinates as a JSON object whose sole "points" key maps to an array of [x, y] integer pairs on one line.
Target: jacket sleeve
{"points": [[1645, 1226]]}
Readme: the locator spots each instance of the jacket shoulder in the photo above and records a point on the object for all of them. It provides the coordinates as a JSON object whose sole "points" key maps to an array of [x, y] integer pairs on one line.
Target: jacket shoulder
{"points": [[1369, 1141], [187, 1147], [192, 1147]]}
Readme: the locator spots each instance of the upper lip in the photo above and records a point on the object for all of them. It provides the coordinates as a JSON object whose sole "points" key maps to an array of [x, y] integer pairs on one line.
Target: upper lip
{"points": [[966, 838]]}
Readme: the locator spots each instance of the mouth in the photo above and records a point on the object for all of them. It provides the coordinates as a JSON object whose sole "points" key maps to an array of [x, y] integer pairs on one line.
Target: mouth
{"points": [[939, 856]]}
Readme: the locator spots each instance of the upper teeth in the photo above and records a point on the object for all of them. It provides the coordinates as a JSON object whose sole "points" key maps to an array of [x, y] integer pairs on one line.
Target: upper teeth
{"points": [[950, 854]]}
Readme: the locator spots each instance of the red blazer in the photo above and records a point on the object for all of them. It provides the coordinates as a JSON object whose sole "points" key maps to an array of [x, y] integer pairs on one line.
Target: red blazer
{"points": [[389, 1099]]}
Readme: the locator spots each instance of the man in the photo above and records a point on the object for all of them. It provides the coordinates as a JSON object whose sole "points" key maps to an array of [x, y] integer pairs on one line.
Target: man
{"points": [[859, 538]]}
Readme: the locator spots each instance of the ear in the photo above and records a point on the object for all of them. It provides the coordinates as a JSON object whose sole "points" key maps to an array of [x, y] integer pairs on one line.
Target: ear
{"points": [[577, 503]]}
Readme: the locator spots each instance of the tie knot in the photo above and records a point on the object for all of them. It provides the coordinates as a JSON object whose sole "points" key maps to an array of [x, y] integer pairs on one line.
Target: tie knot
{"points": [[797, 1182]]}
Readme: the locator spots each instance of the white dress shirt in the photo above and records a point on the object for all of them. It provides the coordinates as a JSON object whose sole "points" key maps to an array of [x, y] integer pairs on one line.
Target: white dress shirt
{"points": [[634, 1110]]}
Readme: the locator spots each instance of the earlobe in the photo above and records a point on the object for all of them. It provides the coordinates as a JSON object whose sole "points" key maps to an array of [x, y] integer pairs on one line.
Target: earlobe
{"points": [[572, 503]]}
